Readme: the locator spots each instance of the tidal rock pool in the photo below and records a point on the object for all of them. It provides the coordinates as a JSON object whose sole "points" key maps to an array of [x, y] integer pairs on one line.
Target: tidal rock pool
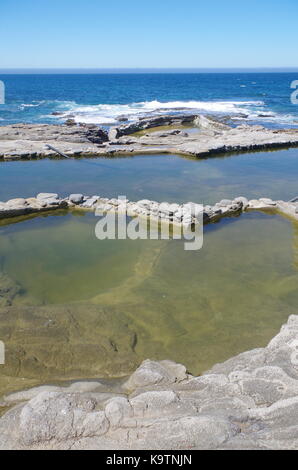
{"points": [[160, 177], [76, 307]]}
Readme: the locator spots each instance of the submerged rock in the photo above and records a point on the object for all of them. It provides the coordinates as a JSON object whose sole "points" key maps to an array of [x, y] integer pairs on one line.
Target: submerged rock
{"points": [[9, 289], [53, 341]]}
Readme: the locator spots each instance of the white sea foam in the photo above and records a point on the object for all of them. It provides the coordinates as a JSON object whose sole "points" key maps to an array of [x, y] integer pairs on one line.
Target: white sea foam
{"points": [[108, 113], [34, 104], [270, 117], [25, 105], [94, 119]]}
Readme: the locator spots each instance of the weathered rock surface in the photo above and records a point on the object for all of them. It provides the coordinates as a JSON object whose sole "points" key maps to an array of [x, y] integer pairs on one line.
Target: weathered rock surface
{"points": [[20, 141], [39, 132], [247, 402]]}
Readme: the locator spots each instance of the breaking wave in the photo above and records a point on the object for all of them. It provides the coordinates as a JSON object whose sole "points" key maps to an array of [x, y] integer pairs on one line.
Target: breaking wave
{"points": [[109, 113]]}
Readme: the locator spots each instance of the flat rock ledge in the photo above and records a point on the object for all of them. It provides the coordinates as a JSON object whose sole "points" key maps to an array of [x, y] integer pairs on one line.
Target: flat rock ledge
{"points": [[24, 141], [247, 402], [186, 214]]}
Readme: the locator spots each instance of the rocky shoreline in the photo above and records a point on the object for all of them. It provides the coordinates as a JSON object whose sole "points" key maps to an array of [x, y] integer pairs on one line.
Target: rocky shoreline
{"points": [[188, 134], [186, 214], [248, 402]]}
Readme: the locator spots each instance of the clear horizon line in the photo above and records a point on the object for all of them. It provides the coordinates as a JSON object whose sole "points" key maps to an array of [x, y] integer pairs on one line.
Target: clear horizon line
{"points": [[11, 70]]}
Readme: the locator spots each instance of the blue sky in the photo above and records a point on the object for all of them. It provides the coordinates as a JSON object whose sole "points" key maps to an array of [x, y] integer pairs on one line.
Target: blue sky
{"points": [[155, 33]]}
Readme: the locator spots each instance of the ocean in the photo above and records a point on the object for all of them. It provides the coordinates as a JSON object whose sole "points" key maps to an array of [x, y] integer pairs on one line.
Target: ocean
{"points": [[262, 98]]}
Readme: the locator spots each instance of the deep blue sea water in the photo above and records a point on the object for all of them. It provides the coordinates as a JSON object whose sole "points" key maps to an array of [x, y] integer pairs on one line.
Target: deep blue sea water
{"points": [[101, 98]]}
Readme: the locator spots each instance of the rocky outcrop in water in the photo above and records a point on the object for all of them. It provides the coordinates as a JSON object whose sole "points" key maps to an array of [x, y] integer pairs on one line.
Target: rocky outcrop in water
{"points": [[247, 402], [149, 123], [208, 136]]}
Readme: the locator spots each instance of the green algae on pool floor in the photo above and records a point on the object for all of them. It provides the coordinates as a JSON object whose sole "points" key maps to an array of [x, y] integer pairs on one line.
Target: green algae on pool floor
{"points": [[59, 259], [160, 177], [90, 308]]}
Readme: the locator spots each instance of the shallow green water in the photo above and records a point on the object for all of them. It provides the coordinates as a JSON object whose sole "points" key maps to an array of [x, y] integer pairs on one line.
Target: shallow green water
{"points": [[90, 308], [164, 177], [59, 259]]}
